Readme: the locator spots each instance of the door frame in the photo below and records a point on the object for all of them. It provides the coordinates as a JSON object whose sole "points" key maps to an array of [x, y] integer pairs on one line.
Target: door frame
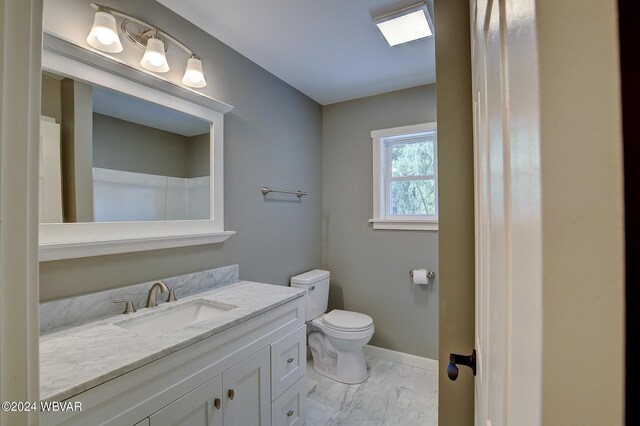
{"points": [[456, 245], [20, 58]]}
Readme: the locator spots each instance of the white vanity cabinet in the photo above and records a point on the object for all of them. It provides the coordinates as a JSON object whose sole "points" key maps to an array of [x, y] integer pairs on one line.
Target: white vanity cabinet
{"points": [[290, 408], [288, 361], [251, 374], [200, 407], [239, 396], [246, 392]]}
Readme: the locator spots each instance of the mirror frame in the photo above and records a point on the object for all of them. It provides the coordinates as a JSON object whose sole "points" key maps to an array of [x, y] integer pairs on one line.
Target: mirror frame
{"points": [[73, 240]]}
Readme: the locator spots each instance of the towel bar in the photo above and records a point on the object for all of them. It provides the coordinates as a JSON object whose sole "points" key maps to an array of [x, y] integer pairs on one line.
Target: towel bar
{"points": [[265, 190]]}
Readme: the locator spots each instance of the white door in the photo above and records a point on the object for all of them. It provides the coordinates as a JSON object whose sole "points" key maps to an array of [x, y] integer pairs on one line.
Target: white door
{"points": [[247, 392], [508, 224]]}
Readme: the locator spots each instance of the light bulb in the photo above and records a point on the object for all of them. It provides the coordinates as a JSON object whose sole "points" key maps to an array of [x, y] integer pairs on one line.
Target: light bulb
{"points": [[104, 36], [193, 76], [155, 59]]}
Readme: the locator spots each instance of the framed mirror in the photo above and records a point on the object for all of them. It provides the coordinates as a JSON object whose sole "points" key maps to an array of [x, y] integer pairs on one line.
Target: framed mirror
{"points": [[128, 162]]}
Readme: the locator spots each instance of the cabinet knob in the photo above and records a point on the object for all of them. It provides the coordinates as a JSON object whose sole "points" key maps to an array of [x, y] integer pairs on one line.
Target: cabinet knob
{"points": [[290, 360], [217, 403], [290, 413], [231, 393]]}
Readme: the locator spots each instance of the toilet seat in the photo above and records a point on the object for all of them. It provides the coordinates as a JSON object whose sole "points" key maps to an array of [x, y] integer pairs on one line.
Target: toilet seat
{"points": [[343, 332], [347, 321]]}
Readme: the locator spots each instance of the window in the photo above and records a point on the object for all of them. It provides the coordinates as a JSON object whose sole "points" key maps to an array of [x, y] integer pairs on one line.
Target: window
{"points": [[405, 178]]}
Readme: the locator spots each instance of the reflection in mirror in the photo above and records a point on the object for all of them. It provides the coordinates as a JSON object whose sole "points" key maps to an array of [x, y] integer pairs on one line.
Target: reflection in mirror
{"points": [[109, 157]]}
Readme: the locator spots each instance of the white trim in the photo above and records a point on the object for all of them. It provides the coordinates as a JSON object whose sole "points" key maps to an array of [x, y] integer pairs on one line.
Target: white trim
{"points": [[68, 240], [401, 357], [19, 143], [72, 250], [405, 224], [414, 128]]}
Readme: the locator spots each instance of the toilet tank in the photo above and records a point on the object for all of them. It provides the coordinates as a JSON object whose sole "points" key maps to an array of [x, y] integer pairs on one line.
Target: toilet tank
{"points": [[316, 283]]}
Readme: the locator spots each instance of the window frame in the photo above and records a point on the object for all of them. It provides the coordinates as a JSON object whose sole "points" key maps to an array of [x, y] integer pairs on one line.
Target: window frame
{"points": [[383, 140]]}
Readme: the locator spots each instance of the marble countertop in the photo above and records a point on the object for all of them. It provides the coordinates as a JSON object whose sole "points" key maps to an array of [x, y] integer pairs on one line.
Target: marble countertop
{"points": [[78, 358]]}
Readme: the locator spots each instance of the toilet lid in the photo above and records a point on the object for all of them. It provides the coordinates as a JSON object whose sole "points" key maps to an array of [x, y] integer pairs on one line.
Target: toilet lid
{"points": [[347, 320]]}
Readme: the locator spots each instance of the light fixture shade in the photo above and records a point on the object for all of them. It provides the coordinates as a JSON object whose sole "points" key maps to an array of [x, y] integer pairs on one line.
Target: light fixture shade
{"points": [[193, 75], [104, 34], [154, 58], [408, 24]]}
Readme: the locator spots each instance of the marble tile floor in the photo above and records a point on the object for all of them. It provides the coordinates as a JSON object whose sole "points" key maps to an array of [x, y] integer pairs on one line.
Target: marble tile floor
{"points": [[394, 395]]}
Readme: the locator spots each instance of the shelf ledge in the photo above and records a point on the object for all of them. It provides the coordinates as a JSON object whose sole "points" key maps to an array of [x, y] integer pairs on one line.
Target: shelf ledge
{"points": [[75, 249]]}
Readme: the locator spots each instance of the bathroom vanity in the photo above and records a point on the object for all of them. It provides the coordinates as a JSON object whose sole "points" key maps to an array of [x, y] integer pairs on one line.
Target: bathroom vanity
{"points": [[227, 352], [243, 364]]}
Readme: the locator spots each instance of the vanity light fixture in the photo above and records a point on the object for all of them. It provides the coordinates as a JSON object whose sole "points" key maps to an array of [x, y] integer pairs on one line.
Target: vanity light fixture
{"points": [[104, 34], [193, 75], [405, 25], [104, 37], [154, 58]]}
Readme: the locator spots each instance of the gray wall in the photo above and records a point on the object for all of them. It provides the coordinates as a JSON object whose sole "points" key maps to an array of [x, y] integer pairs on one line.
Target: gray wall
{"points": [[272, 137], [132, 147], [370, 268], [198, 163]]}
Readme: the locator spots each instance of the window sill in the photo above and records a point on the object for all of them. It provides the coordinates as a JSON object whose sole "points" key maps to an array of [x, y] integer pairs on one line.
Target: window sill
{"points": [[405, 224]]}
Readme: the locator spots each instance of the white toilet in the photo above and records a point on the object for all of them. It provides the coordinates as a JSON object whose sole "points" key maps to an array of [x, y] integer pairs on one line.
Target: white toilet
{"points": [[336, 338]]}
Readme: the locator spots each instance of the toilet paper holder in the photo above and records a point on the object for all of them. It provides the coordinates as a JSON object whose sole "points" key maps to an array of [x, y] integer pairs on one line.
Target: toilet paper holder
{"points": [[430, 274]]}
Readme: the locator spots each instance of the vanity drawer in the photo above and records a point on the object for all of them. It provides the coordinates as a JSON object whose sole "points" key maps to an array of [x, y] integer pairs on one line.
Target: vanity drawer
{"points": [[288, 361], [291, 407]]}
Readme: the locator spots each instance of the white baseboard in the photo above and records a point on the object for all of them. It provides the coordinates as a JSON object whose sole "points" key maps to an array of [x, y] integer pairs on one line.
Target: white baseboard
{"points": [[408, 359]]}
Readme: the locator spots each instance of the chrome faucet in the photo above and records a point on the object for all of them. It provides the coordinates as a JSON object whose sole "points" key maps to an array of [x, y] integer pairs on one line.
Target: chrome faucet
{"points": [[152, 298]]}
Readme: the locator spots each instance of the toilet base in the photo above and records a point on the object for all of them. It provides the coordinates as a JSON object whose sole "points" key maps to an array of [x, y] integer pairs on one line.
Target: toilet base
{"points": [[356, 372], [344, 366]]}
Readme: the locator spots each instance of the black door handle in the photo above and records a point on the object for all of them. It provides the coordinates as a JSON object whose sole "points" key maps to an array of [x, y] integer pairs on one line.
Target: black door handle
{"points": [[469, 361]]}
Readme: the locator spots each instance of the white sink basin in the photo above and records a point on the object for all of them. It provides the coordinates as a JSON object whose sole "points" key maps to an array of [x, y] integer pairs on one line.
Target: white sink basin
{"points": [[169, 318]]}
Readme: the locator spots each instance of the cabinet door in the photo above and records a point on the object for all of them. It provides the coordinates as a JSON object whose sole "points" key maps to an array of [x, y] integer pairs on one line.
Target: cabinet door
{"points": [[290, 409], [288, 361], [247, 396], [197, 408]]}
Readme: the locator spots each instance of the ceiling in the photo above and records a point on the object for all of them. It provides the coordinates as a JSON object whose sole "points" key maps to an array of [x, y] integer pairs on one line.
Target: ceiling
{"points": [[128, 108], [148, 114], [330, 50]]}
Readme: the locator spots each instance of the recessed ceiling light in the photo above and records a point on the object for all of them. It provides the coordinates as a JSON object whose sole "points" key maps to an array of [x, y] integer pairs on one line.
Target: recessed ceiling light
{"points": [[405, 25]]}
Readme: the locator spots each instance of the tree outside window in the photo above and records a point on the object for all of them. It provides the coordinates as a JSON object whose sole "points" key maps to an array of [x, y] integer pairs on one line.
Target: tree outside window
{"points": [[412, 184]]}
